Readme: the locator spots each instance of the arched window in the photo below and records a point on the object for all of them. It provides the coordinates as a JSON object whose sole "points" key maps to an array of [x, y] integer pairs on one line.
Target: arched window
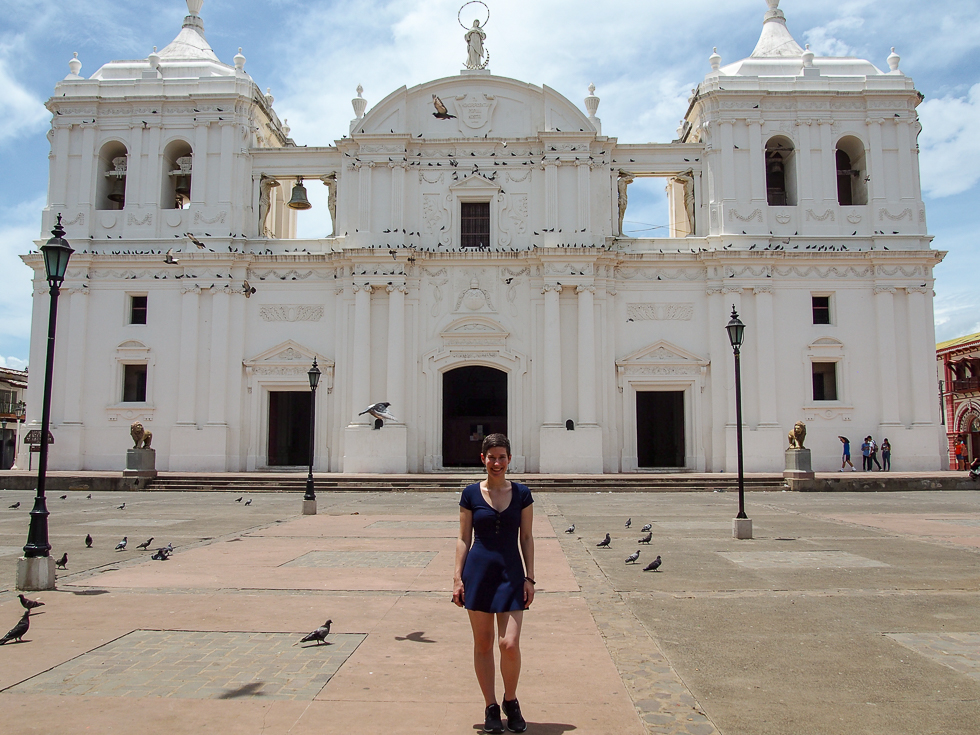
{"points": [[177, 168], [780, 172], [110, 192], [852, 178]]}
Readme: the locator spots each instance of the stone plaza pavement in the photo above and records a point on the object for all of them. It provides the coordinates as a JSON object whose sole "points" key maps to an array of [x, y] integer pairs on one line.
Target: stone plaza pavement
{"points": [[847, 613]]}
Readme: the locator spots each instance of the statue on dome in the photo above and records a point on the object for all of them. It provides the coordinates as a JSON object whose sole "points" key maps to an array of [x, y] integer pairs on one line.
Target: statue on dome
{"points": [[475, 36]]}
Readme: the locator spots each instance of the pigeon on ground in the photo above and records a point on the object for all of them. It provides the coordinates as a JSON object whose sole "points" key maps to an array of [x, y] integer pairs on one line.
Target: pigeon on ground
{"points": [[161, 555], [629, 522], [29, 604], [647, 527], [653, 566], [379, 411], [121, 546], [604, 542], [19, 630], [631, 559], [88, 541], [16, 505], [89, 496], [121, 507], [62, 562], [64, 497], [146, 543], [319, 634], [646, 539], [238, 500], [170, 548], [570, 529], [248, 502]]}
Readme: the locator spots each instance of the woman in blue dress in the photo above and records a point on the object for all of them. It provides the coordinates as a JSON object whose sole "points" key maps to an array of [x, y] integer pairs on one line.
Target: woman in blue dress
{"points": [[494, 576]]}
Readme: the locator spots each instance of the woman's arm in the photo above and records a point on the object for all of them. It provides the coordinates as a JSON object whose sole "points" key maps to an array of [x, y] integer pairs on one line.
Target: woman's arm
{"points": [[462, 549], [527, 551]]}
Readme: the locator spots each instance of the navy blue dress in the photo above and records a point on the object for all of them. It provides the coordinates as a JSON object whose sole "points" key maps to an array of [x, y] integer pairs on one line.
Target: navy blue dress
{"points": [[493, 575]]}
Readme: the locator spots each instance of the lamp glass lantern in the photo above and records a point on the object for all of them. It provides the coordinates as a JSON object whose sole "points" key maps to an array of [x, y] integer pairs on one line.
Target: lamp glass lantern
{"points": [[56, 253], [736, 330], [314, 375]]}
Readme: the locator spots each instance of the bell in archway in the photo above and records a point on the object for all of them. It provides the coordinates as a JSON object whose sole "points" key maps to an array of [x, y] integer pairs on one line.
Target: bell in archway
{"points": [[298, 199], [117, 191], [182, 186]]}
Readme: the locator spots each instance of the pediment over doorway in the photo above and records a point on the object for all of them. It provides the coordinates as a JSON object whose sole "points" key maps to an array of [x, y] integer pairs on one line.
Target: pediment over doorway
{"points": [[475, 332], [661, 358], [289, 361]]}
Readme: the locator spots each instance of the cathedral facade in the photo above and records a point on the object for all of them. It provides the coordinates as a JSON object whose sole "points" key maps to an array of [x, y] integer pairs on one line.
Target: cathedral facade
{"points": [[477, 277]]}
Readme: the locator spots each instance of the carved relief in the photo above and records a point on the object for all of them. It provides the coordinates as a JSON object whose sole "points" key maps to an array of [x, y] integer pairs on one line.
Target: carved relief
{"points": [[436, 178], [783, 219], [755, 214], [883, 213], [660, 312], [219, 217], [810, 214], [291, 313], [854, 218], [474, 298]]}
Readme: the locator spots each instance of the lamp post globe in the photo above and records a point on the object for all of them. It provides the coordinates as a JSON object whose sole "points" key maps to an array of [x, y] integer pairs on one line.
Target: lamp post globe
{"points": [[35, 571]]}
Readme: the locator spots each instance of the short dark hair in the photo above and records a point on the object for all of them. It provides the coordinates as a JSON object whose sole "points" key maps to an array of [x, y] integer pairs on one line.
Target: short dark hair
{"points": [[495, 440]]}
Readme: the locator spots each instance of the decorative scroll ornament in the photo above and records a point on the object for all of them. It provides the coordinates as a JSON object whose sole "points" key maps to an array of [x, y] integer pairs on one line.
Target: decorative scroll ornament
{"points": [[475, 36]]}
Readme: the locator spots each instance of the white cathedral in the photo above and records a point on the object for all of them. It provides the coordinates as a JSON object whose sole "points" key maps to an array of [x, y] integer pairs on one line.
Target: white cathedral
{"points": [[477, 277]]}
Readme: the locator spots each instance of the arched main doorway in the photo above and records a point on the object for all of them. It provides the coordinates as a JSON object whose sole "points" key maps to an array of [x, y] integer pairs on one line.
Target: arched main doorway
{"points": [[474, 404]]}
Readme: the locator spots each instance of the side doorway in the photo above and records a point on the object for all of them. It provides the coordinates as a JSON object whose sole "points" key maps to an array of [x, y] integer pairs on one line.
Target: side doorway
{"points": [[660, 428], [289, 428]]}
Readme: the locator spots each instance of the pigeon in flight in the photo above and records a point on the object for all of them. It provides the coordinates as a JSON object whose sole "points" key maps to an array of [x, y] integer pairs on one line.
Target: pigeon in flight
{"points": [[88, 541], [379, 411], [121, 507], [629, 522], [441, 112], [145, 544], [631, 559], [647, 527], [653, 566], [16, 505], [318, 635], [121, 546], [570, 529], [169, 258], [604, 542], [646, 539], [19, 630], [29, 604], [62, 562]]}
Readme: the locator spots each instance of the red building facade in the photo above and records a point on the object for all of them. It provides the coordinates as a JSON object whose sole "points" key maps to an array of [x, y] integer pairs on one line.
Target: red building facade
{"points": [[959, 375]]}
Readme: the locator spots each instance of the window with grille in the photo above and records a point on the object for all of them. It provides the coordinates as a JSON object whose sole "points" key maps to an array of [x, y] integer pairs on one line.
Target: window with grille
{"points": [[474, 218]]}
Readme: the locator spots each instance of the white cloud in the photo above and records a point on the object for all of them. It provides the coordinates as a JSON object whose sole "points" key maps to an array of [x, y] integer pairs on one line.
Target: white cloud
{"points": [[20, 111], [824, 40], [14, 363], [19, 229], [950, 143]]}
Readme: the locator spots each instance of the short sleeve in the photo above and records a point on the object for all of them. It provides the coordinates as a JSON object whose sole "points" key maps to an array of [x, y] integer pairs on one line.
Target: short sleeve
{"points": [[466, 499], [526, 498]]}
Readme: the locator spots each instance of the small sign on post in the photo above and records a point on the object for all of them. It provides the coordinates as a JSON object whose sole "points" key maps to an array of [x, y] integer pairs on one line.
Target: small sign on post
{"points": [[33, 437]]}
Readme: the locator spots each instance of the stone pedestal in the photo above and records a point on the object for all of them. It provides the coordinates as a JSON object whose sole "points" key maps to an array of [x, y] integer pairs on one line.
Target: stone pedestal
{"points": [[577, 452], [309, 507], [35, 574], [382, 451], [798, 465], [141, 463], [741, 528]]}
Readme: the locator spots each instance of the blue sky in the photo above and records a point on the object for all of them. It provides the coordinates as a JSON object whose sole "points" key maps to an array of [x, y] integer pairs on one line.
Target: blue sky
{"points": [[644, 56]]}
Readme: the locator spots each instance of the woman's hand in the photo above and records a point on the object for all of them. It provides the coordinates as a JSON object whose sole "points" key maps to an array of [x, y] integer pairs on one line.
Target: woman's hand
{"points": [[458, 597], [528, 593]]}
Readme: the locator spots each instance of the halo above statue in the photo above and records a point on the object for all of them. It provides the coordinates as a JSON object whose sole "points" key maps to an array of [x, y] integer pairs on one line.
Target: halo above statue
{"points": [[459, 15]]}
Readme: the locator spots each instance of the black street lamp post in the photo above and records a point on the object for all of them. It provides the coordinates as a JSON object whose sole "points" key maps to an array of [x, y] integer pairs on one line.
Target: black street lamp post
{"points": [[309, 498], [736, 332], [56, 255]]}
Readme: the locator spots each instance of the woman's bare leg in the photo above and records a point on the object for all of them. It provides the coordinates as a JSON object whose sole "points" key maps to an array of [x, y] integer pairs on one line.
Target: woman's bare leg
{"points": [[509, 641], [482, 624]]}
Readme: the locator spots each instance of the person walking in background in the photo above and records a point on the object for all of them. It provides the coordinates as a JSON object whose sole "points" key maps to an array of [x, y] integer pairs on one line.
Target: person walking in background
{"points": [[886, 454], [846, 459], [873, 457], [960, 451], [866, 454]]}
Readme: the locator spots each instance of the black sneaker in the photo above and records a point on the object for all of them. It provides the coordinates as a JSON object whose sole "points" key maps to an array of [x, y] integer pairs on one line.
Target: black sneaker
{"points": [[491, 721], [515, 721]]}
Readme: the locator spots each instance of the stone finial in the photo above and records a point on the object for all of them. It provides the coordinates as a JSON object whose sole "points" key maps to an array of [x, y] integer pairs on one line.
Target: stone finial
{"points": [[285, 127], [194, 7], [74, 65], [154, 58], [359, 103], [808, 57], [239, 60], [893, 60], [592, 102], [269, 99], [715, 59]]}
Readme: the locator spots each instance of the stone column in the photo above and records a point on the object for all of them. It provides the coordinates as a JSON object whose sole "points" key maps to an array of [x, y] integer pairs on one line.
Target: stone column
{"points": [[877, 190], [806, 176], [551, 355], [226, 161], [187, 375], [89, 169], [757, 168], [199, 173], [395, 393], [586, 355], [364, 196], [828, 164], [584, 197], [551, 194], [218, 372], [58, 168], [765, 346], [397, 194], [906, 171], [887, 355], [727, 162], [76, 358], [134, 166], [922, 375], [361, 363]]}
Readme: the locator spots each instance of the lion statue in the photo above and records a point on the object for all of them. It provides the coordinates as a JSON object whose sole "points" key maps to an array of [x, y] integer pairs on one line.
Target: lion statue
{"points": [[797, 435], [141, 437]]}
